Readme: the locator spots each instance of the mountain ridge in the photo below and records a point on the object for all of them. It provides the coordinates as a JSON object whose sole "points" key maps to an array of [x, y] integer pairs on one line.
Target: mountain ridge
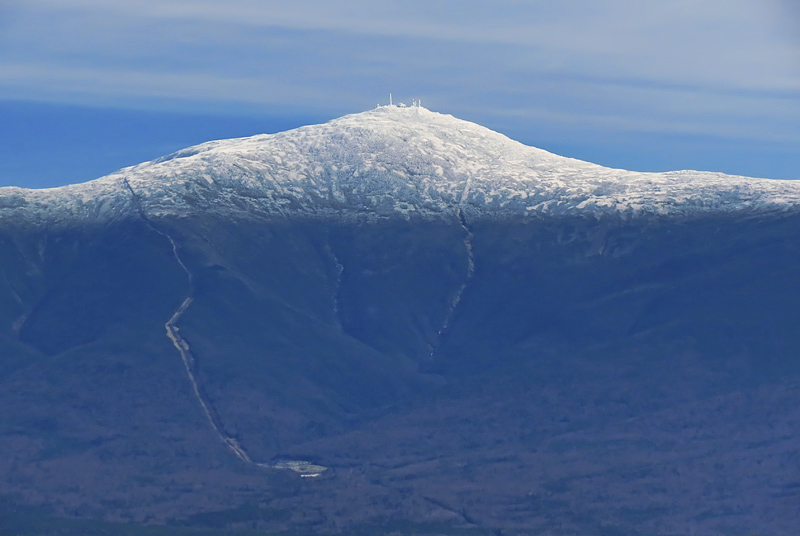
{"points": [[390, 162], [173, 333]]}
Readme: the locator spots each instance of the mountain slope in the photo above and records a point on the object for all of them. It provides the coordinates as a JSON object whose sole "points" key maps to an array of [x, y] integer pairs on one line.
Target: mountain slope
{"points": [[470, 334]]}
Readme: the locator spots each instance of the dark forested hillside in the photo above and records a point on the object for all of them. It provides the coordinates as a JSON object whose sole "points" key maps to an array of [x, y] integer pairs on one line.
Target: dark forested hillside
{"points": [[560, 375]]}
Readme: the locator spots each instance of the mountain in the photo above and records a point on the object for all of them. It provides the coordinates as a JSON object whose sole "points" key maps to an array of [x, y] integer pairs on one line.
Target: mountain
{"points": [[400, 322], [388, 163]]}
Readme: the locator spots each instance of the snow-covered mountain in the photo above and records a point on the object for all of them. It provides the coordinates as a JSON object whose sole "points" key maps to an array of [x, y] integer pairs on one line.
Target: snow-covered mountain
{"points": [[389, 162], [472, 335]]}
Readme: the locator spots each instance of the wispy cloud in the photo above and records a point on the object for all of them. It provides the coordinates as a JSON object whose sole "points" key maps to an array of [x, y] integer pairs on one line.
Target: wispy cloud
{"points": [[723, 42], [728, 67]]}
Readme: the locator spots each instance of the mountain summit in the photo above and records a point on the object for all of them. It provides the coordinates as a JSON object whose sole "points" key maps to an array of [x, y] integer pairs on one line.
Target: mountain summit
{"points": [[399, 322], [390, 162]]}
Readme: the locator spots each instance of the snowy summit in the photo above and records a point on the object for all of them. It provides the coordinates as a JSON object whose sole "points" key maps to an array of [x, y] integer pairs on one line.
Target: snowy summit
{"points": [[390, 162]]}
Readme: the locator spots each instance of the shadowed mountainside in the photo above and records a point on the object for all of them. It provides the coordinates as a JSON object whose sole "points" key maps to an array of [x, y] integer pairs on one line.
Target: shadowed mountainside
{"points": [[328, 342], [561, 372]]}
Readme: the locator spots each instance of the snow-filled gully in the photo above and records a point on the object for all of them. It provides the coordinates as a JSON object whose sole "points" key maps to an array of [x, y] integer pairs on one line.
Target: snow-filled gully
{"points": [[302, 467], [468, 237], [174, 335], [173, 332]]}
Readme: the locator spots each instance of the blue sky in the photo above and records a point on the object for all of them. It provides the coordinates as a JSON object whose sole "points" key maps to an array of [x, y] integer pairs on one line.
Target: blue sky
{"points": [[88, 86]]}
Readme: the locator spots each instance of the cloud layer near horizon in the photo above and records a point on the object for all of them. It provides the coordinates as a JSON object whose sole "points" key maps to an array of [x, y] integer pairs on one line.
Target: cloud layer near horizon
{"points": [[724, 68]]}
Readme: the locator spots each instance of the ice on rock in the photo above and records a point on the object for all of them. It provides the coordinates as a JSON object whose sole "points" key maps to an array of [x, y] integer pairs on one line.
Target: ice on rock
{"points": [[389, 162]]}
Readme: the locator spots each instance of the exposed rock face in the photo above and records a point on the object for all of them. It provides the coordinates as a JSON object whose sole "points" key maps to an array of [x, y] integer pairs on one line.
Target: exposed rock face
{"points": [[463, 329]]}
